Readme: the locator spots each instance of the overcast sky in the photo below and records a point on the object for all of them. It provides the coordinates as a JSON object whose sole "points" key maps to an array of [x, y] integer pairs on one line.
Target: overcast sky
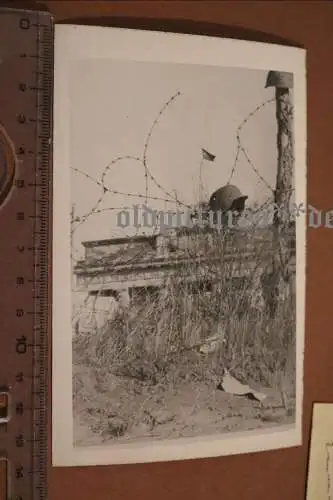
{"points": [[113, 106]]}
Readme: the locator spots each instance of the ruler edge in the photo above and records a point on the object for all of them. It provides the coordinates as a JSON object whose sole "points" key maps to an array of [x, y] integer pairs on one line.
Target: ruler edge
{"points": [[14, 10], [47, 359], [48, 268]]}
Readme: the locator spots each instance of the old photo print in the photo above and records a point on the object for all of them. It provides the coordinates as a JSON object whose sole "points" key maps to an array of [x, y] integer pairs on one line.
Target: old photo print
{"points": [[179, 316], [320, 468]]}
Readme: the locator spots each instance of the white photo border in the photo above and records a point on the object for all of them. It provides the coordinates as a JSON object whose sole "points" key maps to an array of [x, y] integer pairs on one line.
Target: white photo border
{"points": [[79, 43]]}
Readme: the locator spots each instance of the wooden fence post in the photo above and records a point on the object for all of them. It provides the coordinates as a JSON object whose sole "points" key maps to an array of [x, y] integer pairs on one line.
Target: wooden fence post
{"points": [[282, 82]]}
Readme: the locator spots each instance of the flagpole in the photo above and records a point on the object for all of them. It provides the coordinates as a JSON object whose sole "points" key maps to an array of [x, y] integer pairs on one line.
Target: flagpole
{"points": [[72, 225], [205, 155], [200, 181], [71, 243]]}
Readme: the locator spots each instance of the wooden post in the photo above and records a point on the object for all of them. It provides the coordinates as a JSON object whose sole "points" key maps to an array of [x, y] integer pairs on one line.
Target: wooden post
{"points": [[282, 82]]}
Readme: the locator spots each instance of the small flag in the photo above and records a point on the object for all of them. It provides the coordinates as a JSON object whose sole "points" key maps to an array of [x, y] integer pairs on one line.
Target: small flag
{"points": [[207, 156]]}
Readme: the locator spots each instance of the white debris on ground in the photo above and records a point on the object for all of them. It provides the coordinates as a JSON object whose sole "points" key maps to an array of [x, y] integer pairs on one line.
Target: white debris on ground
{"points": [[231, 385], [228, 383]]}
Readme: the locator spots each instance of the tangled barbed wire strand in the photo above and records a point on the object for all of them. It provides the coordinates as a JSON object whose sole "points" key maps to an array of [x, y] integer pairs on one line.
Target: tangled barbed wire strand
{"points": [[107, 190], [143, 160], [168, 198], [241, 149]]}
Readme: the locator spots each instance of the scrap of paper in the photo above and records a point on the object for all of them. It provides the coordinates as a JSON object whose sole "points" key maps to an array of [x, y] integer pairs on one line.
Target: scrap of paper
{"points": [[320, 472]]}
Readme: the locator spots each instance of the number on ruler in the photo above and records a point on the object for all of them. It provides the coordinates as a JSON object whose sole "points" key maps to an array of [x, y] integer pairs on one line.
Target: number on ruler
{"points": [[24, 23], [21, 119], [19, 183], [19, 472], [21, 345], [19, 441], [19, 377], [19, 409], [19, 281]]}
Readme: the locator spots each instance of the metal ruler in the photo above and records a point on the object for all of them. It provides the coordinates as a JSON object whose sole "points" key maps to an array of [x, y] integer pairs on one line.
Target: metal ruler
{"points": [[26, 89]]}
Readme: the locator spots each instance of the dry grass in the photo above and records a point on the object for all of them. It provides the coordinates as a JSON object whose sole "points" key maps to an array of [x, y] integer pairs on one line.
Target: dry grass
{"points": [[147, 357]]}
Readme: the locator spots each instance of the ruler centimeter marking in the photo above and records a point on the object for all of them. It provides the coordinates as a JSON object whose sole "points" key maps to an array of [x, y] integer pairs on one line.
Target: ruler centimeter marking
{"points": [[26, 90]]}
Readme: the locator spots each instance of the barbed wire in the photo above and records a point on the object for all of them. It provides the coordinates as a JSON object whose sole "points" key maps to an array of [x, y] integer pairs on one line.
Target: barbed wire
{"points": [[107, 190], [146, 146], [241, 149], [142, 160], [167, 197]]}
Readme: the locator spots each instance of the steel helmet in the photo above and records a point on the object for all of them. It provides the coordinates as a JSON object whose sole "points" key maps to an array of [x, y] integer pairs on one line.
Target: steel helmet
{"points": [[279, 79], [228, 197]]}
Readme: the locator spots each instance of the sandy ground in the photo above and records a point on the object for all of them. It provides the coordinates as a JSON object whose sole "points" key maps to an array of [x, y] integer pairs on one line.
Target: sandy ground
{"points": [[114, 410]]}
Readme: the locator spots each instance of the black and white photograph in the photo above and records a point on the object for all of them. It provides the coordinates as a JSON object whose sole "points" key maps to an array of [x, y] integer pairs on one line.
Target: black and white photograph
{"points": [[179, 250]]}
